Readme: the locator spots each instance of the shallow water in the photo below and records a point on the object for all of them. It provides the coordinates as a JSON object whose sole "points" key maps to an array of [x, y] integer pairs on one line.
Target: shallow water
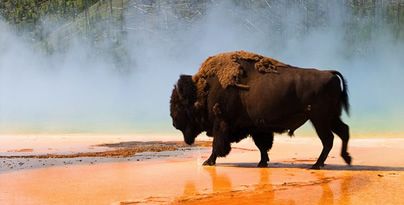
{"points": [[234, 180]]}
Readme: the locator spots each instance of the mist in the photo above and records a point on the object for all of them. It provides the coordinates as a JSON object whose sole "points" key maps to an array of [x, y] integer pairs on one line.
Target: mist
{"points": [[81, 89]]}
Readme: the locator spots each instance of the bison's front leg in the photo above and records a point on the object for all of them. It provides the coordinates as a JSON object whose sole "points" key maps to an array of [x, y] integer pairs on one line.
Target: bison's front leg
{"points": [[264, 143], [211, 160], [221, 145]]}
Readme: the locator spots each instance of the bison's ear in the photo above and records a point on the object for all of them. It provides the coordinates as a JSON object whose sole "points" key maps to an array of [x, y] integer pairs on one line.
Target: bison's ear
{"points": [[186, 89]]}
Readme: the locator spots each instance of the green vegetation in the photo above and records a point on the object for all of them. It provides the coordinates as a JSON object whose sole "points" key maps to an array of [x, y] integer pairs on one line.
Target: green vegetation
{"points": [[100, 19], [26, 15], [29, 11], [52, 24]]}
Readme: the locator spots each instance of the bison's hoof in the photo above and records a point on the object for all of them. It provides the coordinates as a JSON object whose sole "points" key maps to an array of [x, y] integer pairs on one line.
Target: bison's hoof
{"points": [[347, 159], [208, 163], [317, 166], [262, 164]]}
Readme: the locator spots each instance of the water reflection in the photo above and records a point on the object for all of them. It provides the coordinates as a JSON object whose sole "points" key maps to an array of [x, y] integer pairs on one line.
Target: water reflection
{"points": [[190, 189], [346, 187], [220, 182], [327, 196], [265, 184], [274, 186]]}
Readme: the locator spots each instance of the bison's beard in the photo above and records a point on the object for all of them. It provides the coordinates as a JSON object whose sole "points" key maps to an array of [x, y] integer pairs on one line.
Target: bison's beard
{"points": [[189, 136]]}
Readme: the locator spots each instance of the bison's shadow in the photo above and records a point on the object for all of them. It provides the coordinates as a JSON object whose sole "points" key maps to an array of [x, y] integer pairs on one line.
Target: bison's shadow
{"points": [[307, 166]]}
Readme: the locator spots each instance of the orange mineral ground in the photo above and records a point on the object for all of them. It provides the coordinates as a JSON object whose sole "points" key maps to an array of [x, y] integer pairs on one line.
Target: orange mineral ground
{"points": [[376, 177]]}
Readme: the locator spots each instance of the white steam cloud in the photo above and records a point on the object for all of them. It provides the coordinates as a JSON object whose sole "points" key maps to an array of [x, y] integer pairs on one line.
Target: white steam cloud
{"points": [[81, 89]]}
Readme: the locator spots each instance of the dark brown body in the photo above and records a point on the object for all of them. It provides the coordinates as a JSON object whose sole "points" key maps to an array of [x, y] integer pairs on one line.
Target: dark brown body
{"points": [[272, 103]]}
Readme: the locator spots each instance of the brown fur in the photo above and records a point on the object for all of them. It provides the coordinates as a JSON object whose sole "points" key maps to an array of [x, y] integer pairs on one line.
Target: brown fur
{"points": [[279, 98], [228, 69]]}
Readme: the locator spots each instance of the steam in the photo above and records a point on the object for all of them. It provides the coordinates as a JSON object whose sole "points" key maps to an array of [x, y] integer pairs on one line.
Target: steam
{"points": [[84, 90]]}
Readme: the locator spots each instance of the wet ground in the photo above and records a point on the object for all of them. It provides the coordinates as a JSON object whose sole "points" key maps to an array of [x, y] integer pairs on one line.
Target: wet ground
{"points": [[376, 177]]}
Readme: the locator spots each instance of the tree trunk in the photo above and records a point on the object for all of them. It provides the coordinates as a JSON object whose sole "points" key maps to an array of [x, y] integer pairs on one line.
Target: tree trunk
{"points": [[64, 8], [398, 19], [110, 24], [86, 15], [121, 15], [110, 8]]}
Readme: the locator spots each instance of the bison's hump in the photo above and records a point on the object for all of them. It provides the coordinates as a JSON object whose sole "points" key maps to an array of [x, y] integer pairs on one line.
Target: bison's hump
{"points": [[227, 66]]}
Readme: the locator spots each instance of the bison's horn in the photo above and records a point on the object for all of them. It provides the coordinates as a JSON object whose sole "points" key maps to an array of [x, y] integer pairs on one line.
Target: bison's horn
{"points": [[242, 86]]}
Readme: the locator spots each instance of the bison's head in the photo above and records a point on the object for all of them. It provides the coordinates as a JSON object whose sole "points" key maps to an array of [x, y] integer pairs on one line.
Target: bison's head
{"points": [[183, 110]]}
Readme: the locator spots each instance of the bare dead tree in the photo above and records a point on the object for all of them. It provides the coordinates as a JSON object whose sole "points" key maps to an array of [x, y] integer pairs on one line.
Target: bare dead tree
{"points": [[122, 9], [398, 18], [86, 15]]}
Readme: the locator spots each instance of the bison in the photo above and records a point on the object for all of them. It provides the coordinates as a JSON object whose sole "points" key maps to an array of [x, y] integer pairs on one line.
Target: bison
{"points": [[239, 94]]}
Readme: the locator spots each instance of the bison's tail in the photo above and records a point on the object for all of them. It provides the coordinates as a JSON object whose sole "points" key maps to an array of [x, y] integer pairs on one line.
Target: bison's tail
{"points": [[344, 97]]}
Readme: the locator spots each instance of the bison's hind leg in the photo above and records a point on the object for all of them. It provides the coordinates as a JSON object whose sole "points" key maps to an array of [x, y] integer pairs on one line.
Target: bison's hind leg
{"points": [[342, 130], [264, 143], [327, 139]]}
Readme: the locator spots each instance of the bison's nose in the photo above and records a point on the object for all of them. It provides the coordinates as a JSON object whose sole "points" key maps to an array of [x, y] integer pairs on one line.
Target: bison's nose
{"points": [[189, 140]]}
